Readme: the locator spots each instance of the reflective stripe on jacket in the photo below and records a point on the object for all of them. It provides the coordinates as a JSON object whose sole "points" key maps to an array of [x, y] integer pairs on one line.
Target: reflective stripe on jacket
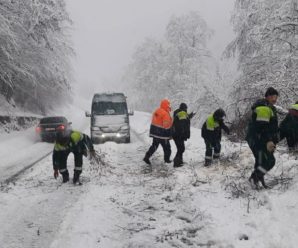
{"points": [[75, 138], [162, 121], [263, 126], [181, 125], [211, 123]]}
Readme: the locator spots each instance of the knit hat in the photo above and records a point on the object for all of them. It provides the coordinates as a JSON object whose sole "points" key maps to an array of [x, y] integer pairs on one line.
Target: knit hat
{"points": [[183, 106], [219, 114], [271, 92]]}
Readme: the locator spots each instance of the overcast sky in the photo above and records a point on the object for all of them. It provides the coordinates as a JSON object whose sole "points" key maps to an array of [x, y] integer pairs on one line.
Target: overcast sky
{"points": [[107, 31]]}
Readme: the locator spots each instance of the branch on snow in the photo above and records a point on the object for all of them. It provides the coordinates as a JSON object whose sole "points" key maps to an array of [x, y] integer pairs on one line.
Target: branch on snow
{"points": [[294, 24]]}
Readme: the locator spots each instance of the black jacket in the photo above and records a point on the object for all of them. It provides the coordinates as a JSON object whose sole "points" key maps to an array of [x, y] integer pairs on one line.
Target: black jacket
{"points": [[181, 125], [78, 143], [289, 128], [263, 130], [211, 129]]}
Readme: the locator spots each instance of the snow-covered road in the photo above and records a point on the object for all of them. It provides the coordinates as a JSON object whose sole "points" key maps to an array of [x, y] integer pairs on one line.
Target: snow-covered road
{"points": [[125, 203], [18, 150]]}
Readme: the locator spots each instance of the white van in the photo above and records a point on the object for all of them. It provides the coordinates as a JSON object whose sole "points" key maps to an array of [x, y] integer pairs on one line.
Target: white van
{"points": [[109, 118]]}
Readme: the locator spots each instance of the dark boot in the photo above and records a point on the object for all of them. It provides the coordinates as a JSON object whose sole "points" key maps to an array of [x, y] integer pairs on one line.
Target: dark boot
{"points": [[178, 162], [76, 177], [207, 162], [147, 160], [168, 161], [216, 156], [65, 177], [254, 179], [261, 178]]}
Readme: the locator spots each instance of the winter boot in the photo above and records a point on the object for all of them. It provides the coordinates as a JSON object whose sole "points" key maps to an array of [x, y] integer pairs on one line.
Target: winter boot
{"points": [[178, 162], [167, 159], [207, 162], [216, 156], [147, 160], [254, 179], [65, 176], [76, 177], [261, 178]]}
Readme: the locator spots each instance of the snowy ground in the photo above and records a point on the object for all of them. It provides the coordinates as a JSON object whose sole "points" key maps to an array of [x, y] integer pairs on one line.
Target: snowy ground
{"points": [[125, 203]]}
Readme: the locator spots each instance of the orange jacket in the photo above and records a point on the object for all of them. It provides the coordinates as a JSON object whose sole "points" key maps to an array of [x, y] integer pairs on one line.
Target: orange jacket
{"points": [[162, 121]]}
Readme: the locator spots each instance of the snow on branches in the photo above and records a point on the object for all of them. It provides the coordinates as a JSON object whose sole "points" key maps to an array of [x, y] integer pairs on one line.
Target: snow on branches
{"points": [[266, 44], [34, 52], [179, 67]]}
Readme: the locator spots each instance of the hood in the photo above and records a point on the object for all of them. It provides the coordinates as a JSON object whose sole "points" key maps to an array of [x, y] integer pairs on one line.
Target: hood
{"points": [[165, 105], [112, 123]]}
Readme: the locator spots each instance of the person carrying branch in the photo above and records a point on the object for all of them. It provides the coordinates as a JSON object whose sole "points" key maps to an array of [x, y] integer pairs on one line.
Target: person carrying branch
{"points": [[67, 142]]}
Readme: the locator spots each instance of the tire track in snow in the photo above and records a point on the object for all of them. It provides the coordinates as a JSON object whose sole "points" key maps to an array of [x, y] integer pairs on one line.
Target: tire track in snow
{"points": [[35, 206], [15, 176]]}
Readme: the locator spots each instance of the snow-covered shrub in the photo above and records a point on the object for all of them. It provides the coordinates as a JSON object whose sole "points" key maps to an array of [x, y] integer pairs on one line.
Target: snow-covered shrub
{"points": [[266, 46]]}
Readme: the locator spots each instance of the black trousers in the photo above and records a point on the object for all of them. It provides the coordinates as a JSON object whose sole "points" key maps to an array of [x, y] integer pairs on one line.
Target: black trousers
{"points": [[210, 146], [292, 142], [180, 150], [78, 159], [264, 160], [165, 145]]}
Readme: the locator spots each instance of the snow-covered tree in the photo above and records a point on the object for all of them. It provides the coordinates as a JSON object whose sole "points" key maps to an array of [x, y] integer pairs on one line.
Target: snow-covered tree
{"points": [[34, 52], [179, 67], [266, 45]]}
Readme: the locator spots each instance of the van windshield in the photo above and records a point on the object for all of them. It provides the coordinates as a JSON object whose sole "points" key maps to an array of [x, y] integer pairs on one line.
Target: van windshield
{"points": [[109, 108]]}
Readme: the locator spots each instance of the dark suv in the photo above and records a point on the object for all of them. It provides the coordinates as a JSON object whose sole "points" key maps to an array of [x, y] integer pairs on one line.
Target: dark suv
{"points": [[48, 127]]}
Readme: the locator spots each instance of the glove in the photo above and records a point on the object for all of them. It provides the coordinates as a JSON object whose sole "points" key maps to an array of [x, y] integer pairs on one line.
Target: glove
{"points": [[92, 153], [270, 147], [191, 115], [226, 129], [56, 174], [85, 153]]}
